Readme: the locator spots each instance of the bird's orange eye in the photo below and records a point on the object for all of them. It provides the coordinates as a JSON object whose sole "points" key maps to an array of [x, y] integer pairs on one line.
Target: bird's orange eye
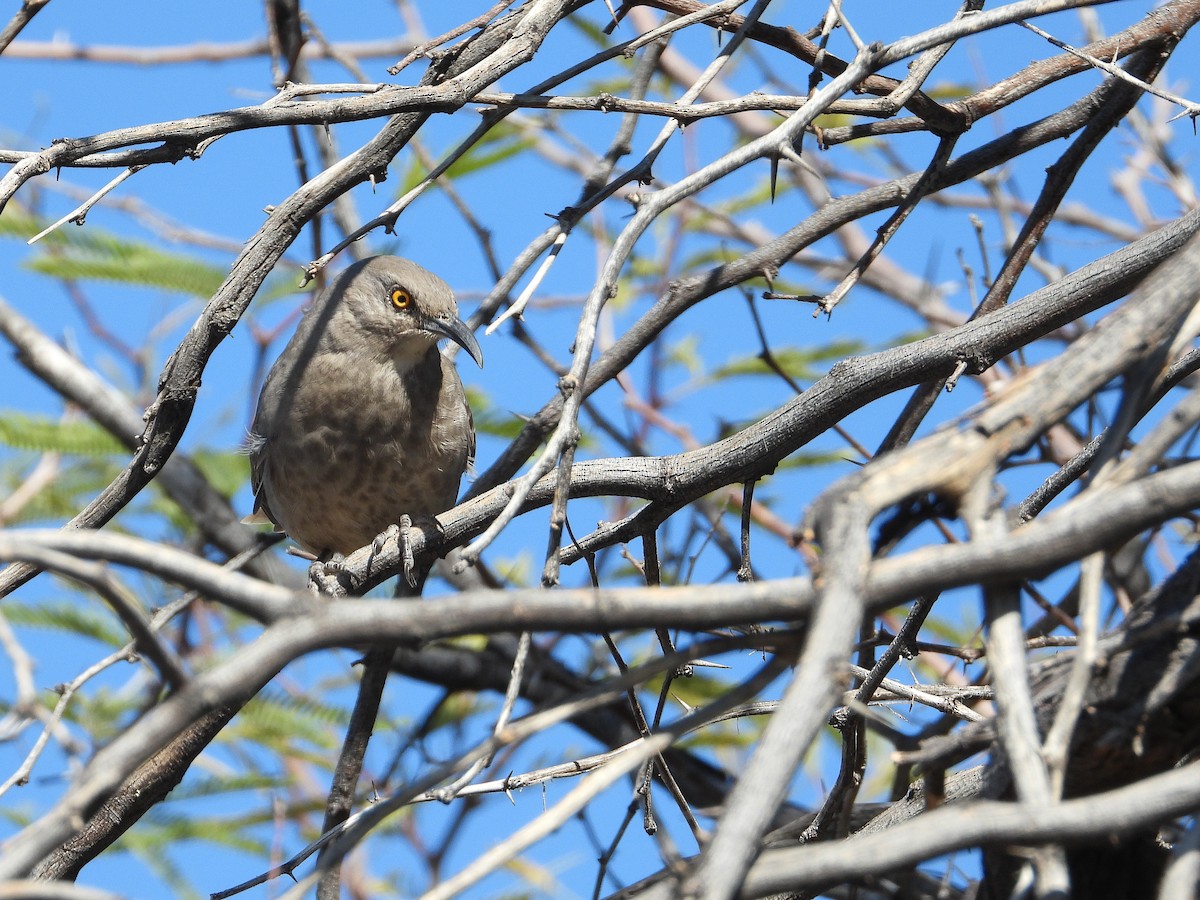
{"points": [[401, 298]]}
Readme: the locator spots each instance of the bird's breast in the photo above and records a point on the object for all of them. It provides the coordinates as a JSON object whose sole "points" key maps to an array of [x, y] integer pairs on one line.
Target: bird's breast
{"points": [[355, 446]]}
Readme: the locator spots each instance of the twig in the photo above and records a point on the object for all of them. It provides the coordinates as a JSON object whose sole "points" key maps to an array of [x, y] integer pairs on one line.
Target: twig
{"points": [[80, 212], [1016, 723], [511, 694], [22, 17], [423, 48], [517, 308], [888, 230], [592, 785], [573, 384], [1189, 108], [123, 603], [745, 569]]}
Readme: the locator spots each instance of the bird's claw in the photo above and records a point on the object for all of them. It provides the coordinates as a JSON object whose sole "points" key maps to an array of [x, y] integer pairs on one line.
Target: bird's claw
{"points": [[399, 534], [391, 533], [323, 573]]}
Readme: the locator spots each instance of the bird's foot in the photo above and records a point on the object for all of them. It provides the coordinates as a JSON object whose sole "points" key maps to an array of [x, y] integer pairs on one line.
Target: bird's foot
{"points": [[400, 534], [323, 573]]}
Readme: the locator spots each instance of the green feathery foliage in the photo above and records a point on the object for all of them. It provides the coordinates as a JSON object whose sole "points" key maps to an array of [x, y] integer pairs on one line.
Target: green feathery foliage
{"points": [[42, 434]]}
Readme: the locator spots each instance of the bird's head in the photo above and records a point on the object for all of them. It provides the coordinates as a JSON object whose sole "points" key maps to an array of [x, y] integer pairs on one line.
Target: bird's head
{"points": [[392, 307]]}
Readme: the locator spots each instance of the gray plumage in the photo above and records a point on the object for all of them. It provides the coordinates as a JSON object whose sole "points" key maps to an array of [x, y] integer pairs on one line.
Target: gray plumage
{"points": [[361, 420]]}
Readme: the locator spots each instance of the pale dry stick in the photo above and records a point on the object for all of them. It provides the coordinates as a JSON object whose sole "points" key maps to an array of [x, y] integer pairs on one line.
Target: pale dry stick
{"points": [[845, 23], [755, 101], [544, 825], [819, 672], [585, 337], [423, 48], [29, 9], [888, 230], [22, 668], [510, 783], [121, 600], [960, 27], [190, 137], [258, 599], [962, 691], [1057, 744], [286, 94], [592, 785], [39, 889], [923, 65], [153, 220], [67, 692], [511, 695], [392, 212], [80, 212], [290, 91], [1016, 722], [357, 826], [128, 653], [200, 51], [31, 485], [1189, 108], [517, 308], [828, 21], [949, 705]]}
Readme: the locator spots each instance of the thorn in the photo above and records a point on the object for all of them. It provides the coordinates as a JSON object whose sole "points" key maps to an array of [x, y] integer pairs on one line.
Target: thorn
{"points": [[707, 664], [959, 369]]}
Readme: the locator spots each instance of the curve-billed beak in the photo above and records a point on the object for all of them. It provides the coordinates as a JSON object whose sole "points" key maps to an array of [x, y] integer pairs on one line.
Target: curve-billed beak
{"points": [[456, 329]]}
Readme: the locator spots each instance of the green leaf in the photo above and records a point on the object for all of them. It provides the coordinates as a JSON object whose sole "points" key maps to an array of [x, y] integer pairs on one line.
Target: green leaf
{"points": [[591, 31], [481, 157], [799, 363], [133, 264], [948, 92], [74, 618], [42, 434], [502, 142], [490, 420], [60, 498], [274, 720], [220, 785], [225, 471], [686, 353], [74, 253]]}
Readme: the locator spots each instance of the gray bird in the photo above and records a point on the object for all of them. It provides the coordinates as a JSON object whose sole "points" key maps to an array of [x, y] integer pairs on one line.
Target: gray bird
{"points": [[361, 421]]}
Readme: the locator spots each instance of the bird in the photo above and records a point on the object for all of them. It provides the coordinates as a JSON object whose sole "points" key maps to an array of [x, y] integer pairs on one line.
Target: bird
{"points": [[362, 424]]}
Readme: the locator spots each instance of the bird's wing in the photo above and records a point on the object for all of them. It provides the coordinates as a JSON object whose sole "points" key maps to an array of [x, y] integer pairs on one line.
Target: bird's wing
{"points": [[256, 449], [470, 440]]}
